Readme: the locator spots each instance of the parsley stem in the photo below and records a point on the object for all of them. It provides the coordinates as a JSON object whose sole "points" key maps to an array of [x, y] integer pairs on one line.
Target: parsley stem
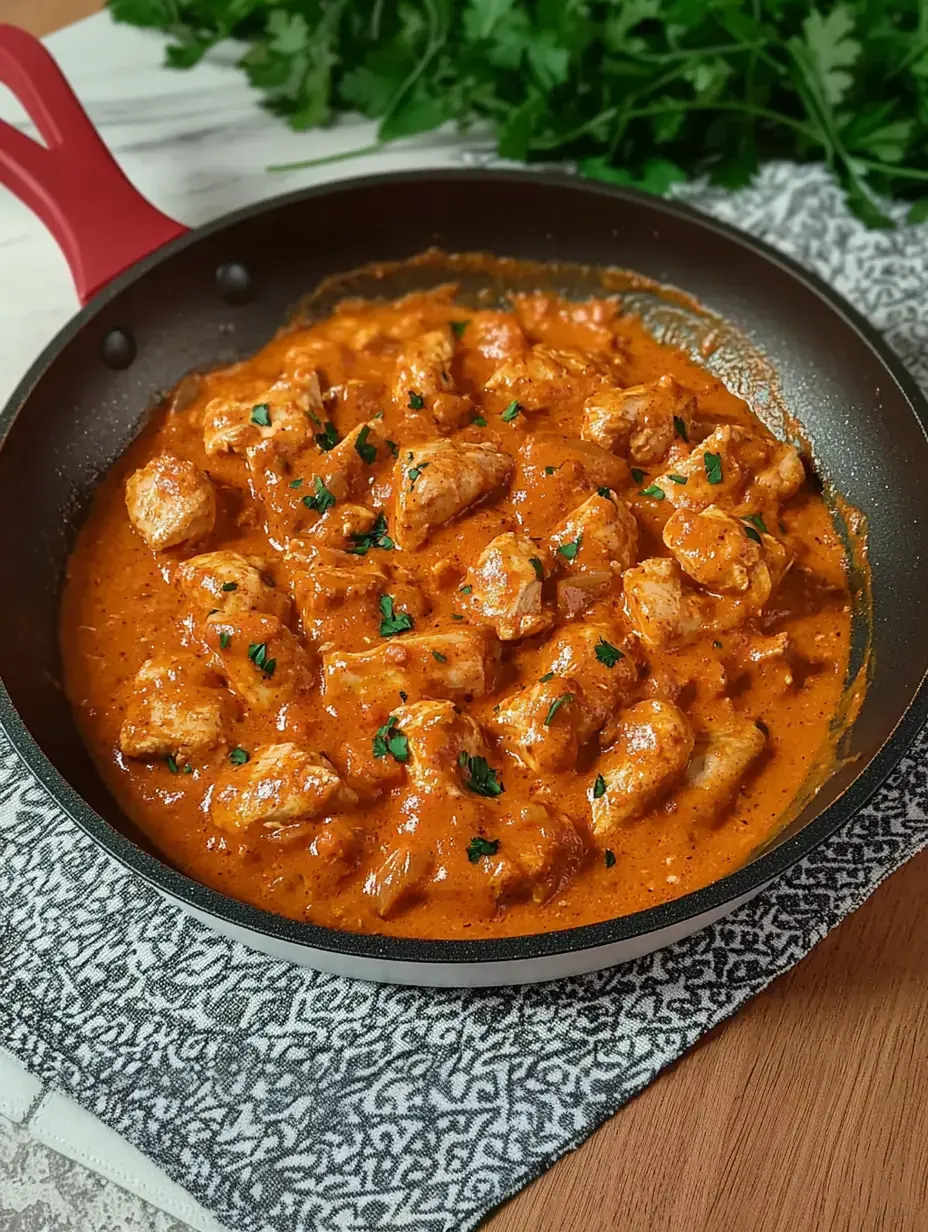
{"points": [[764, 113], [341, 156], [692, 53], [907, 173]]}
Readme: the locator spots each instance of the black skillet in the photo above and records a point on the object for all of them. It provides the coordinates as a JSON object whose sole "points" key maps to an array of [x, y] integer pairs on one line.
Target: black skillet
{"points": [[204, 297]]}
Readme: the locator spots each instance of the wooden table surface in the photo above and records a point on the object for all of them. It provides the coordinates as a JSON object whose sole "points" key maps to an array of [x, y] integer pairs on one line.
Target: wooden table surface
{"points": [[808, 1112]]}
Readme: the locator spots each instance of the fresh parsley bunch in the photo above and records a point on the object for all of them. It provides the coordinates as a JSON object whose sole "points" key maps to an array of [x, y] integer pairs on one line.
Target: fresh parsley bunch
{"points": [[642, 92]]}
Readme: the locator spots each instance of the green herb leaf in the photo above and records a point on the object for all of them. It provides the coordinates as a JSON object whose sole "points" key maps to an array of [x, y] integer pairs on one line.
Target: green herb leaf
{"points": [[238, 757], [393, 622], [465, 590], [225, 639], [546, 677], [459, 327], [479, 775], [510, 412], [436, 654], [569, 550], [328, 438], [752, 534], [599, 787], [172, 764], [605, 493], [376, 537], [538, 567], [257, 652], [416, 401], [608, 858], [638, 475], [295, 483], [756, 520], [390, 741], [323, 498], [654, 491], [679, 427], [607, 654], [556, 705], [261, 415], [228, 586], [549, 470], [713, 464], [479, 847], [677, 478], [414, 472], [479, 422], [368, 453], [394, 448]]}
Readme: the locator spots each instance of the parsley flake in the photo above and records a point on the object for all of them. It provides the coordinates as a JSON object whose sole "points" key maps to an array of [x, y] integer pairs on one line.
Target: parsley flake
{"points": [[376, 537], [556, 705], [677, 478], [465, 590], [323, 498], [654, 491], [608, 858], [389, 740], [261, 415], [679, 426], [479, 421], [607, 654], [257, 652], [599, 787], [480, 777], [549, 470], [538, 567], [605, 493], [394, 448], [367, 453], [328, 438], [713, 463], [459, 327], [416, 401], [414, 472], [228, 586], [295, 483], [172, 764], [436, 654], [546, 677], [393, 622], [638, 475], [510, 412], [752, 534], [238, 757], [479, 847], [225, 639], [569, 550], [757, 520]]}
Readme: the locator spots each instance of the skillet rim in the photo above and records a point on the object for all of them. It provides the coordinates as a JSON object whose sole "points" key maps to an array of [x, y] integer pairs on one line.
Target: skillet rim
{"points": [[742, 882]]}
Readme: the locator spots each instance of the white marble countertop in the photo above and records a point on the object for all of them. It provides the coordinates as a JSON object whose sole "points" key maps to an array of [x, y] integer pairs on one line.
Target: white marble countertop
{"points": [[197, 145]]}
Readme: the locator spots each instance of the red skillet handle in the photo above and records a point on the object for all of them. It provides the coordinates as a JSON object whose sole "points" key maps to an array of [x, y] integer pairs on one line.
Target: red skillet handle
{"points": [[101, 223]]}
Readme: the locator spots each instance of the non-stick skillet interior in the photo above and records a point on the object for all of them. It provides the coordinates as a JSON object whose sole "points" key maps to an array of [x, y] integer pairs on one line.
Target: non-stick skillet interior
{"points": [[80, 412]]}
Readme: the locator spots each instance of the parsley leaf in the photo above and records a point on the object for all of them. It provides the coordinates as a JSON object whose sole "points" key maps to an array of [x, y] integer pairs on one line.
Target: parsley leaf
{"points": [[608, 858], [416, 401], [638, 475], [172, 764], [607, 654], [599, 787], [679, 427], [653, 491], [479, 422], [546, 677], [538, 567], [261, 415], [257, 652], [393, 622], [510, 412], [389, 740], [224, 639], [328, 438], [556, 705], [394, 448], [229, 586], [439, 657], [465, 590], [479, 847], [368, 453], [677, 478], [295, 483], [459, 327], [238, 757], [376, 537], [569, 550], [479, 775], [713, 464], [756, 519], [323, 498]]}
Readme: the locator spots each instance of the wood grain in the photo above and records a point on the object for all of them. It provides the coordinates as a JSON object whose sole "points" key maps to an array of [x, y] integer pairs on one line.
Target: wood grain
{"points": [[808, 1112]]}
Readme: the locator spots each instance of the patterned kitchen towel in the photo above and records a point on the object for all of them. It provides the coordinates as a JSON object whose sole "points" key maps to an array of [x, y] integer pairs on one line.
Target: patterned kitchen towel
{"points": [[283, 1099]]}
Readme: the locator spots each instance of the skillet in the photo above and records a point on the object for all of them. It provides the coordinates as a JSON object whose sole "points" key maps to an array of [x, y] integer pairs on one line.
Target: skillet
{"points": [[160, 301]]}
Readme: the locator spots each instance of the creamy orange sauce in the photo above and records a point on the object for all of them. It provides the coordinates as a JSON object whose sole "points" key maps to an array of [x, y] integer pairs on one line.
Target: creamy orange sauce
{"points": [[122, 606]]}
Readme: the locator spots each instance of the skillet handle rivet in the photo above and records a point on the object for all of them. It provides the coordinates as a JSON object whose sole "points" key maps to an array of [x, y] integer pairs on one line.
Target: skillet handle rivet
{"points": [[118, 349], [233, 282]]}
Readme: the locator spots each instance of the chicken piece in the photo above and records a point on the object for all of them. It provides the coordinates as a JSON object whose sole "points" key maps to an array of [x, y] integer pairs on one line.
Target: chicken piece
{"points": [[460, 662], [544, 731], [423, 379], [593, 466], [281, 413], [400, 878], [721, 759], [651, 752], [737, 470], [230, 583], [437, 481], [324, 579], [341, 525], [261, 659], [175, 708], [605, 534], [495, 335], [170, 501], [506, 583], [539, 852], [586, 325], [639, 420], [345, 469], [544, 376], [281, 786], [714, 548], [437, 737]]}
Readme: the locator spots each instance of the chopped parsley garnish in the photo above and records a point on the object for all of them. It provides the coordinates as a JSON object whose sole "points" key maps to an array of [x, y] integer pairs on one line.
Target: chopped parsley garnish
{"points": [[479, 421], [680, 428], [238, 757], [549, 470], [479, 847], [328, 438], [414, 472], [459, 327], [654, 491], [607, 653], [569, 550], [416, 401], [225, 639], [717, 645], [188, 769], [323, 498], [393, 621], [465, 590], [368, 453], [436, 654], [713, 463], [638, 474], [556, 705], [480, 777], [599, 787], [608, 858], [257, 652], [261, 415], [757, 520], [510, 412], [677, 478], [538, 567], [388, 740], [394, 448], [227, 586], [376, 537], [546, 677], [295, 483], [456, 616], [605, 493], [752, 534], [172, 764]]}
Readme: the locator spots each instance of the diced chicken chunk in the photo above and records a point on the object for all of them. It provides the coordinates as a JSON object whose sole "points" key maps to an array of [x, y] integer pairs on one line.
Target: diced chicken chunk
{"points": [[261, 659], [230, 583], [175, 708], [437, 737], [281, 413], [545, 726], [539, 852], [638, 421], [649, 757], [495, 335], [436, 481], [324, 580], [459, 663], [507, 587], [400, 878], [586, 325], [737, 470], [281, 786], [721, 759], [588, 463], [715, 549], [341, 524], [544, 376], [170, 501], [603, 530], [422, 379], [345, 469]]}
